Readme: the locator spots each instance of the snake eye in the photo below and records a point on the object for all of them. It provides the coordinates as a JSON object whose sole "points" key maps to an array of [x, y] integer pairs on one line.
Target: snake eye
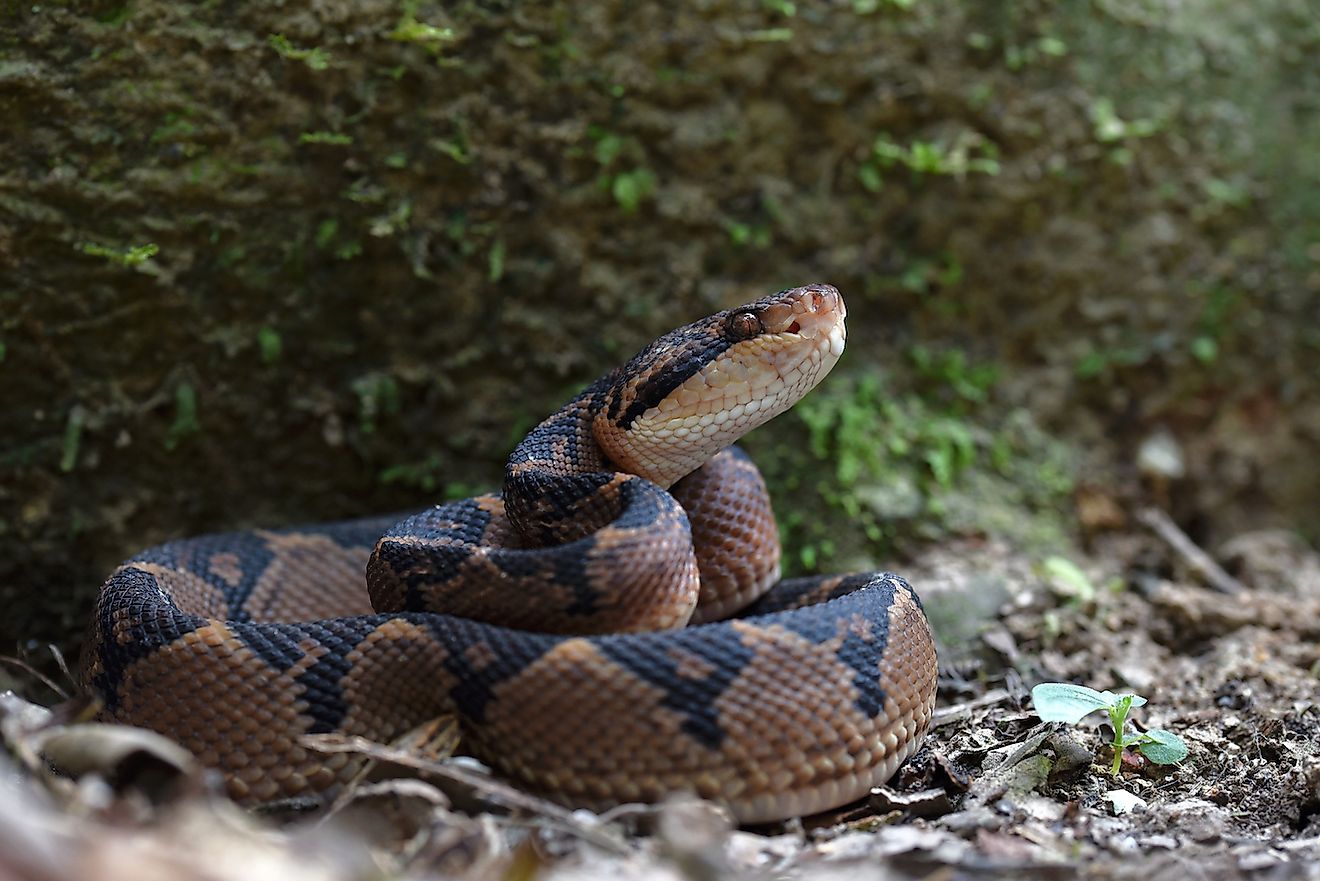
{"points": [[744, 325]]}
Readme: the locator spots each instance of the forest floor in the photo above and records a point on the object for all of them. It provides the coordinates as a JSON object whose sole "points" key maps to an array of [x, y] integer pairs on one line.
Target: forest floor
{"points": [[994, 794]]}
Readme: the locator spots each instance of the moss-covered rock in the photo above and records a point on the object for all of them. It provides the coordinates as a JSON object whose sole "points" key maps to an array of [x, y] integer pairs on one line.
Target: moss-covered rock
{"points": [[280, 262]]}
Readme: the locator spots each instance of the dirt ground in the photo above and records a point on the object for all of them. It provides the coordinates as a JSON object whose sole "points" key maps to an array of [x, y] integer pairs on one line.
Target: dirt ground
{"points": [[996, 793]]}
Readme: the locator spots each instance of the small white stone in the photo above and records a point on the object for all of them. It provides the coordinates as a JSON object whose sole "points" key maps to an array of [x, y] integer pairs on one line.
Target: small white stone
{"points": [[1124, 802]]}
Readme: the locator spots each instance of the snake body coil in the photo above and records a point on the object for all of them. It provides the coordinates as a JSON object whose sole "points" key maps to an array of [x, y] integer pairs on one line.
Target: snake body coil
{"points": [[550, 618]]}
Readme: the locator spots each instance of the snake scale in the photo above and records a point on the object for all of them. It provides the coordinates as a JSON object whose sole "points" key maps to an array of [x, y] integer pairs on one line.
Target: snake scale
{"points": [[549, 618]]}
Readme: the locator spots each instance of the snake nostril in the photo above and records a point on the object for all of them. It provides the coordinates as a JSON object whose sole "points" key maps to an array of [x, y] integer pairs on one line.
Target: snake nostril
{"points": [[825, 299]]}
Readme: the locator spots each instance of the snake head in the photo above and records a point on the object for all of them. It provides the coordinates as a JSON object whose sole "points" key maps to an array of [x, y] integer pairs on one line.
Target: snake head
{"points": [[699, 388]]}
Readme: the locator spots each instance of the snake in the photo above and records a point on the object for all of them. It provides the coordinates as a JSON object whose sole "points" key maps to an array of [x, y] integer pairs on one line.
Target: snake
{"points": [[611, 627]]}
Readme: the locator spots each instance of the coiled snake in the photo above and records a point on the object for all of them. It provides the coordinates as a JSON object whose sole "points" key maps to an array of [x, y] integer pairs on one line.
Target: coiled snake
{"points": [[549, 618]]}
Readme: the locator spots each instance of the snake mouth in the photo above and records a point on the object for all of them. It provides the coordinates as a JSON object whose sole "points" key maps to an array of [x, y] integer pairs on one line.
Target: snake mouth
{"points": [[801, 311], [794, 318]]}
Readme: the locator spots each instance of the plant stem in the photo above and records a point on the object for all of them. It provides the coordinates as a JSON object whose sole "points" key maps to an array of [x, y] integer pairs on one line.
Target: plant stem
{"points": [[1118, 719]]}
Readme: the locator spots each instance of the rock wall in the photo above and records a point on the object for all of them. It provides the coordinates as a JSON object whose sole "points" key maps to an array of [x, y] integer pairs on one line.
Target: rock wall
{"points": [[269, 263]]}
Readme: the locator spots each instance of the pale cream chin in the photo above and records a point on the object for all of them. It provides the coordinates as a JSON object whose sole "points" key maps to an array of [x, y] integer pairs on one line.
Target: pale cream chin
{"points": [[752, 384]]}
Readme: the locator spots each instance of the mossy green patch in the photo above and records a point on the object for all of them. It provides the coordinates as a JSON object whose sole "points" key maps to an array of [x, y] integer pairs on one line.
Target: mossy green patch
{"points": [[132, 256], [315, 58], [893, 465]]}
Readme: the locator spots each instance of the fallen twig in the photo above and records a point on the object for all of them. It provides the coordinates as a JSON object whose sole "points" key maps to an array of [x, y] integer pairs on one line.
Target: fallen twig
{"points": [[1163, 526], [957, 712], [490, 789], [34, 672]]}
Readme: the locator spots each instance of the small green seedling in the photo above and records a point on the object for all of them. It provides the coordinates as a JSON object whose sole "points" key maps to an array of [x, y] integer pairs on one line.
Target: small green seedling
{"points": [[1065, 702]]}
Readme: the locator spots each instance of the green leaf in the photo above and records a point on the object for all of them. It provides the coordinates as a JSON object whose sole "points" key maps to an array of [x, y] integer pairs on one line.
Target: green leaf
{"points": [[132, 257], [769, 35], [270, 344], [1163, 747], [325, 233], [607, 149], [631, 187], [410, 30], [808, 555], [1052, 46], [185, 415], [1065, 702], [870, 177], [324, 138], [497, 253], [72, 435], [315, 58], [1068, 579], [1223, 191], [1205, 349]]}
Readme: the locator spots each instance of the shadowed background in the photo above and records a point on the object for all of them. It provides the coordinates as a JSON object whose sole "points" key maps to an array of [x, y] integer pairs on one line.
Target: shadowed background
{"points": [[267, 265]]}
